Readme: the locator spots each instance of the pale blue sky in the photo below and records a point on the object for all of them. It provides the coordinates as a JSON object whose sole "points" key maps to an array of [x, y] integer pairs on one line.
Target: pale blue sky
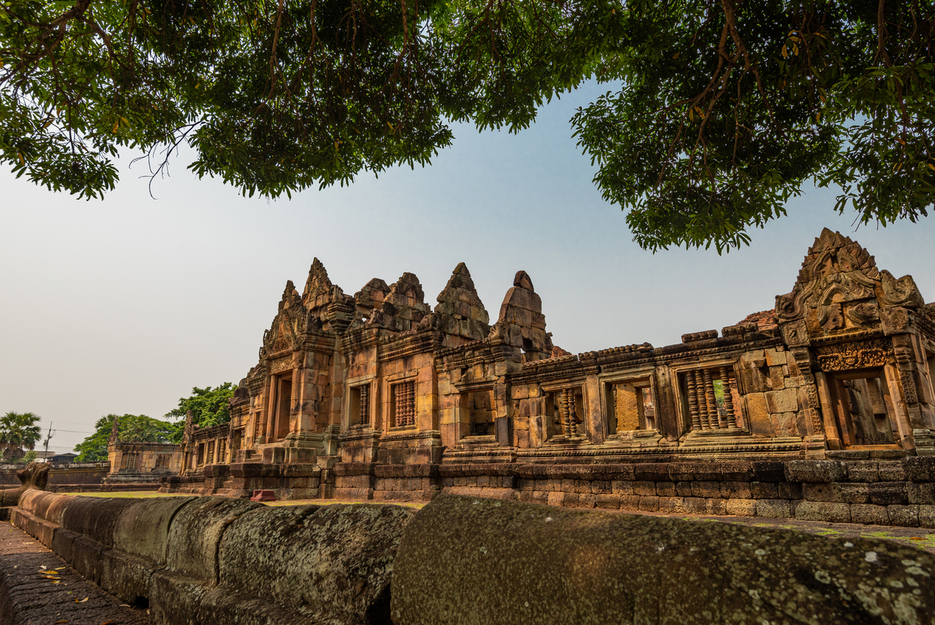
{"points": [[124, 305]]}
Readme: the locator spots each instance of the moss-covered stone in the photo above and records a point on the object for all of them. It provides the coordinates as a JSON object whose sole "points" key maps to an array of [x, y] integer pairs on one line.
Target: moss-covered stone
{"points": [[473, 561]]}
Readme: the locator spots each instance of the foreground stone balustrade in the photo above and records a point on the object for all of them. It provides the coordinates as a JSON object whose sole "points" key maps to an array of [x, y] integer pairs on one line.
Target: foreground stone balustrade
{"points": [[210, 560], [479, 561], [465, 560]]}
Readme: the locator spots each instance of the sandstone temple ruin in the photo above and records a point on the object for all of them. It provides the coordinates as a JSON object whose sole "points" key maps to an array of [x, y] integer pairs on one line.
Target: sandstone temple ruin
{"points": [[380, 395]]}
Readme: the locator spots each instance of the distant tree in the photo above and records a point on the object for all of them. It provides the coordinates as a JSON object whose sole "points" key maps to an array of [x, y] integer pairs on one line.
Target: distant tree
{"points": [[18, 433], [132, 428], [209, 407], [29, 457]]}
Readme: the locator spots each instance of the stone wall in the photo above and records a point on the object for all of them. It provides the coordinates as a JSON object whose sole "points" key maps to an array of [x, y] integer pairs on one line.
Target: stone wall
{"points": [[469, 560], [62, 475], [216, 560], [874, 492]]}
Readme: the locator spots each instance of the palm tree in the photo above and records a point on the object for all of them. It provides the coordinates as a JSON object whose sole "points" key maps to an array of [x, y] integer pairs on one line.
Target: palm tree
{"points": [[18, 432]]}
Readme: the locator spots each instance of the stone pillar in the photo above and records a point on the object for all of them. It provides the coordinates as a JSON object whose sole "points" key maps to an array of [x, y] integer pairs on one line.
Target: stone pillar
{"points": [[271, 408], [710, 400], [728, 397]]}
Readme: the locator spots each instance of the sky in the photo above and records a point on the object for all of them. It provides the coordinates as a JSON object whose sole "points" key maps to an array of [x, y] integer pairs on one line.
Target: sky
{"points": [[123, 305]]}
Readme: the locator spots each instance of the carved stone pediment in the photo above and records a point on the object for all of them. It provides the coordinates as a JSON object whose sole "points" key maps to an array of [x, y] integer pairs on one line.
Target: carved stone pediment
{"points": [[840, 290], [289, 326]]}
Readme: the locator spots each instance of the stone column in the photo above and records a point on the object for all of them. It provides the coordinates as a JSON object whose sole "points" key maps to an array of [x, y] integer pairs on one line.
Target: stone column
{"points": [[693, 400], [728, 397]]}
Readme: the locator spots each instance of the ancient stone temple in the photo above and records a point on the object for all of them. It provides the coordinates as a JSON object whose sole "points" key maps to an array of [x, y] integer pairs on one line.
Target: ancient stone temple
{"points": [[380, 393], [133, 462]]}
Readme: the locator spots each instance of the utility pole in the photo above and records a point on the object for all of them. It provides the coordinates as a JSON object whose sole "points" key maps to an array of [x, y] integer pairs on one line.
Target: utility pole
{"points": [[47, 438]]}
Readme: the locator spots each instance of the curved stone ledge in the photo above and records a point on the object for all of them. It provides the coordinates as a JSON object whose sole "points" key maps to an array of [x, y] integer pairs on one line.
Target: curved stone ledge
{"points": [[207, 560], [572, 567]]}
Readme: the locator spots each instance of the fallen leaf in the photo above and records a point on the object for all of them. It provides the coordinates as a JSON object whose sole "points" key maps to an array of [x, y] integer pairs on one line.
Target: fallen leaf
{"points": [[56, 582], [82, 601], [60, 622], [915, 538]]}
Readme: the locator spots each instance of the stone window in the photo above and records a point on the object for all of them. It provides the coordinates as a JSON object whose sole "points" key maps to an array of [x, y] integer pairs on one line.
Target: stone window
{"points": [[360, 405], [479, 406], [862, 408], [403, 404], [710, 395], [630, 406], [210, 457], [564, 411]]}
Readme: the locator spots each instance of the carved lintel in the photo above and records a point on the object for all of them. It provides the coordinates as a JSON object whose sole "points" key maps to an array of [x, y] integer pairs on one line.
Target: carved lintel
{"points": [[860, 355], [280, 365]]}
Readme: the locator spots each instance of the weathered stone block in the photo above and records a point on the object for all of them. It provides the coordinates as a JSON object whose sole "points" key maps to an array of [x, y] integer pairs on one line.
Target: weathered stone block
{"points": [[735, 490], [671, 505], [741, 507], [645, 489], [781, 401], [608, 502], [927, 516], [921, 493], [823, 511], [665, 489], [892, 471], [715, 506], [775, 358], [825, 492], [869, 514], [920, 468], [768, 471], [630, 502], [888, 493], [586, 500], [651, 472], [649, 504], [695, 505], [706, 489], [764, 490], [775, 508], [815, 471], [789, 490], [621, 487], [903, 516], [863, 471], [683, 489], [599, 487]]}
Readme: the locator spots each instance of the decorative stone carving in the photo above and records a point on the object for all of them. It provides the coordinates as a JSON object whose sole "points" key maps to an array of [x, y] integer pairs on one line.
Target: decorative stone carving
{"points": [[863, 355], [909, 387], [840, 290]]}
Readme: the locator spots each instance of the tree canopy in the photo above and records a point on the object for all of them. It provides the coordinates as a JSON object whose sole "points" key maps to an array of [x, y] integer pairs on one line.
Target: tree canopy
{"points": [[18, 432], [131, 429], [209, 407], [718, 111]]}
